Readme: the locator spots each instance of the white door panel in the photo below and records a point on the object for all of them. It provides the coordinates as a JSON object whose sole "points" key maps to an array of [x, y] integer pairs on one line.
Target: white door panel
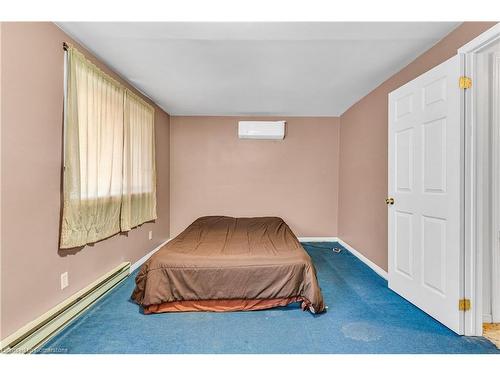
{"points": [[425, 181]]}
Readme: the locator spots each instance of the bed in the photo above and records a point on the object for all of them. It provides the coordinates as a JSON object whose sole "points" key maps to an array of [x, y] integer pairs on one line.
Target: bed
{"points": [[222, 263]]}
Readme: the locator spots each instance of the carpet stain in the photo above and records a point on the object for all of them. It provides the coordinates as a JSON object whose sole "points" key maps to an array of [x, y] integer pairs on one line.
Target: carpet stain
{"points": [[361, 331]]}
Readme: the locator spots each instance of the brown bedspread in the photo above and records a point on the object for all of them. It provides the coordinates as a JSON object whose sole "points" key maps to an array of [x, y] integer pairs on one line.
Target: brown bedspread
{"points": [[225, 258]]}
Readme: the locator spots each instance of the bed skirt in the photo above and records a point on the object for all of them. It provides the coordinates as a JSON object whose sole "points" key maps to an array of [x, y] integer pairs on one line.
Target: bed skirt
{"points": [[225, 305]]}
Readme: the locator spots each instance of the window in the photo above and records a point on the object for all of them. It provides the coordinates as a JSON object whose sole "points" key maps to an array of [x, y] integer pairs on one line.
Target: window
{"points": [[109, 182]]}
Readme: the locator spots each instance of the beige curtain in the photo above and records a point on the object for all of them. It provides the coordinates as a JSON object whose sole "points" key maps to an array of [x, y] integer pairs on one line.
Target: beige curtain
{"points": [[139, 172], [93, 155]]}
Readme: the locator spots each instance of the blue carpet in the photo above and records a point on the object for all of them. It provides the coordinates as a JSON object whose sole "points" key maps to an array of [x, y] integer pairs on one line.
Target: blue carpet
{"points": [[364, 316]]}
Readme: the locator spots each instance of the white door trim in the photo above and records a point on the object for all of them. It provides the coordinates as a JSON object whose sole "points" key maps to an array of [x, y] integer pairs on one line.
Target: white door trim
{"points": [[495, 235], [473, 232], [489, 36]]}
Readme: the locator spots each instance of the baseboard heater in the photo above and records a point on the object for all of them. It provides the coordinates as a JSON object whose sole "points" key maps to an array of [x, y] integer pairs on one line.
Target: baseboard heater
{"points": [[32, 336]]}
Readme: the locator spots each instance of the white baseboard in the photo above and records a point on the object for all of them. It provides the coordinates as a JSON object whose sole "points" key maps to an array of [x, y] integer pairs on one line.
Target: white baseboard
{"points": [[37, 332], [34, 334], [381, 272], [318, 239], [352, 250], [487, 318], [140, 262]]}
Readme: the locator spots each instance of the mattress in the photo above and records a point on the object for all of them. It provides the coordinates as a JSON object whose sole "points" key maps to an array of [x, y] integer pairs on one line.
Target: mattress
{"points": [[222, 263]]}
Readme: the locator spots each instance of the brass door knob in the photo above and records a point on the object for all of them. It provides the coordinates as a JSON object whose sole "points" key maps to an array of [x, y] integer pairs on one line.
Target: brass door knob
{"points": [[389, 200]]}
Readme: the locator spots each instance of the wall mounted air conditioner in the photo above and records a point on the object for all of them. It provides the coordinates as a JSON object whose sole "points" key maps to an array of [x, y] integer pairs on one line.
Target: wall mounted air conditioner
{"points": [[261, 130]]}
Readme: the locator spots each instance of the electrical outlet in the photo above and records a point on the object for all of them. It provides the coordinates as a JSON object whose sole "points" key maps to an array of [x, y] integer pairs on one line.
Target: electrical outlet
{"points": [[150, 234], [64, 280]]}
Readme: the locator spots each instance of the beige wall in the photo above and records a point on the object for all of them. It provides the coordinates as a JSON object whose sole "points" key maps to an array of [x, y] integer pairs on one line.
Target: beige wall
{"points": [[215, 173], [326, 169], [363, 151], [31, 133]]}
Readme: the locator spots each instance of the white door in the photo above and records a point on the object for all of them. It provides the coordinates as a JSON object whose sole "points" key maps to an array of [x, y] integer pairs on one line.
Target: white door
{"points": [[425, 180]]}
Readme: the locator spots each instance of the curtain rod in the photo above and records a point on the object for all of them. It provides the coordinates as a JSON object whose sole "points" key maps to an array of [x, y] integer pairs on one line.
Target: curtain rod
{"points": [[65, 46]]}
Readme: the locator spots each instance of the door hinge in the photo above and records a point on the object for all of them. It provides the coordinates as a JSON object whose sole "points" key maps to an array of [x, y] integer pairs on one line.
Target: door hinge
{"points": [[464, 304], [465, 82]]}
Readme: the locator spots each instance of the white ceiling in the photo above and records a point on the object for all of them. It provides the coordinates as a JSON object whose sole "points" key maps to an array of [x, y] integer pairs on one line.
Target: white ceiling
{"points": [[294, 69]]}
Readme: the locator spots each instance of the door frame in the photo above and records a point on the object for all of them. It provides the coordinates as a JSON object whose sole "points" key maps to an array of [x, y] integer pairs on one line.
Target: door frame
{"points": [[474, 232], [495, 236]]}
